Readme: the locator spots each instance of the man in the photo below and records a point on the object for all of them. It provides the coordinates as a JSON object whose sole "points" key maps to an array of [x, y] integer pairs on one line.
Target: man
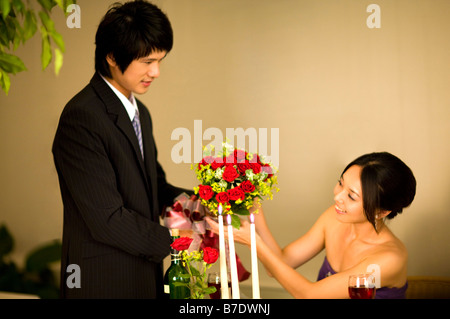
{"points": [[112, 186]]}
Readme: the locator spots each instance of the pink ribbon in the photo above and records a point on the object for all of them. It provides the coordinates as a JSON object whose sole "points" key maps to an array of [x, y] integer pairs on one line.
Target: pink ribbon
{"points": [[187, 213]]}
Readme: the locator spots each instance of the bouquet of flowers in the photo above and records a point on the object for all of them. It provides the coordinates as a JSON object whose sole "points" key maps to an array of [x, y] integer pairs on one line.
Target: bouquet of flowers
{"points": [[196, 263], [234, 179]]}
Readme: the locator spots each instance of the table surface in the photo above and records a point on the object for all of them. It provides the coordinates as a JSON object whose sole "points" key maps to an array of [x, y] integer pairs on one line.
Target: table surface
{"points": [[15, 295]]}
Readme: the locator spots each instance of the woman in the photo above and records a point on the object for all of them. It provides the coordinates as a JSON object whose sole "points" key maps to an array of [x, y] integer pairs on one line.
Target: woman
{"points": [[372, 188]]}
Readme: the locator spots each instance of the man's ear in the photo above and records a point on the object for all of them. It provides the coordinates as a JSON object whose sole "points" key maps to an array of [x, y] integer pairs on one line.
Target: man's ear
{"points": [[111, 61]]}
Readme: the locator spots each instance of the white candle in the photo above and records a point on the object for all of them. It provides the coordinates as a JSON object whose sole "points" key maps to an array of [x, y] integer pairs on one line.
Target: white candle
{"points": [[234, 276], [255, 276], [223, 259]]}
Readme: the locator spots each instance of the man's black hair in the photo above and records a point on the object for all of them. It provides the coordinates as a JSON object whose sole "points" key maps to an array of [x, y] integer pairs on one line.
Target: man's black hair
{"points": [[131, 31]]}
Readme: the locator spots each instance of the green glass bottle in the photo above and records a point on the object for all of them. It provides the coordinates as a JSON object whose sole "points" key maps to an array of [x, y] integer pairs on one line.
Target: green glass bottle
{"points": [[173, 274]]}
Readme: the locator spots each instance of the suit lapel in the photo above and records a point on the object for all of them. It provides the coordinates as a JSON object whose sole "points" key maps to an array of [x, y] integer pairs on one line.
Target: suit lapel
{"points": [[149, 155], [117, 112]]}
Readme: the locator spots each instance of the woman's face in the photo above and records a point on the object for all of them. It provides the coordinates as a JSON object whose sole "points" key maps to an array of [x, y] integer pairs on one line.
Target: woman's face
{"points": [[348, 197]]}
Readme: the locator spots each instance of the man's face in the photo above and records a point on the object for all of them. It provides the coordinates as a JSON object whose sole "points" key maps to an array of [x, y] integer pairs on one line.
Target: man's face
{"points": [[139, 74]]}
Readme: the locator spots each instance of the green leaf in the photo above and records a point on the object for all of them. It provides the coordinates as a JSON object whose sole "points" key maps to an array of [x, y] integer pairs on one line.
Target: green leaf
{"points": [[47, 21], [60, 4], [46, 55], [195, 271], [5, 82], [64, 4], [18, 23], [240, 210], [18, 36], [29, 25], [58, 60], [3, 40], [18, 6], [11, 63], [10, 29], [5, 7], [39, 259], [209, 290], [235, 221], [198, 286], [47, 4], [58, 40], [6, 240]]}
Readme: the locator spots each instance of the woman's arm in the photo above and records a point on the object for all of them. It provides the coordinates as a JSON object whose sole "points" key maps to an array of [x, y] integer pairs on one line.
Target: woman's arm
{"points": [[263, 230], [390, 260], [296, 284], [298, 252]]}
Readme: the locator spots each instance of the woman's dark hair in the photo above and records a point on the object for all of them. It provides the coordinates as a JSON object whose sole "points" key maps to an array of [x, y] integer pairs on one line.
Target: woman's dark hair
{"points": [[131, 31], [386, 184]]}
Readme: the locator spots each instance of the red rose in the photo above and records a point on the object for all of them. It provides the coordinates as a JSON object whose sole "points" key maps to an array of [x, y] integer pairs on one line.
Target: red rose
{"points": [[240, 155], [210, 255], [222, 197], [242, 167], [230, 160], [236, 193], [247, 186], [230, 174], [256, 167], [266, 168], [206, 192], [181, 243], [205, 161], [217, 163]]}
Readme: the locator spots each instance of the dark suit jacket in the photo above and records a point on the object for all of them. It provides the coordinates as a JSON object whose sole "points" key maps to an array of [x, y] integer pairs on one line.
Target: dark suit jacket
{"points": [[112, 198]]}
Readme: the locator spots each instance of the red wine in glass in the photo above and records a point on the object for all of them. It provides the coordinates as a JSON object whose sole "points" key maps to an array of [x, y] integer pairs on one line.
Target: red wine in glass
{"points": [[361, 286], [215, 295], [361, 292], [214, 281]]}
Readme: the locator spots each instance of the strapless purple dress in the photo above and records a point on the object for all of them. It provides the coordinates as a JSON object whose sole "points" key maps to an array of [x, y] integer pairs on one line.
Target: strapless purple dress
{"points": [[381, 293]]}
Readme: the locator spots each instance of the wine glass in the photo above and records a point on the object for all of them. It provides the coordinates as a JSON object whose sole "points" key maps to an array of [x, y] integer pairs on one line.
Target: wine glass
{"points": [[214, 280], [361, 286]]}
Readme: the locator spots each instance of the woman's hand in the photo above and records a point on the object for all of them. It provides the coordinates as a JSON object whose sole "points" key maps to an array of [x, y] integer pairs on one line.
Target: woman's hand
{"points": [[241, 235]]}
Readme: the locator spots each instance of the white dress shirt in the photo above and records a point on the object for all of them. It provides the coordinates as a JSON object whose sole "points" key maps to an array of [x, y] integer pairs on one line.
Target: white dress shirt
{"points": [[129, 103]]}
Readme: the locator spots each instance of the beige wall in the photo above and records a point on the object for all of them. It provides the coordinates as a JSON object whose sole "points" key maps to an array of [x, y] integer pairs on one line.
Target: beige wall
{"points": [[334, 88]]}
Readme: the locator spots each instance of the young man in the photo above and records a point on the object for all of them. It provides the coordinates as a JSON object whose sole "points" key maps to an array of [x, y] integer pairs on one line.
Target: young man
{"points": [[112, 186]]}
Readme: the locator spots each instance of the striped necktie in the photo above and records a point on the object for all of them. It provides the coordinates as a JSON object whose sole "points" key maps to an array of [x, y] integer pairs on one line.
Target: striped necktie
{"points": [[137, 129]]}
